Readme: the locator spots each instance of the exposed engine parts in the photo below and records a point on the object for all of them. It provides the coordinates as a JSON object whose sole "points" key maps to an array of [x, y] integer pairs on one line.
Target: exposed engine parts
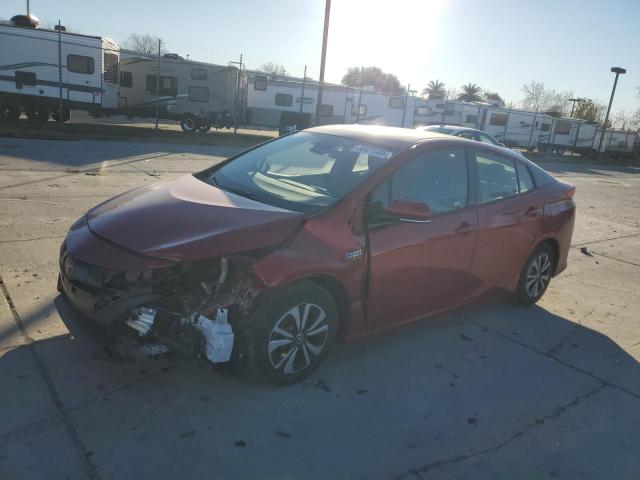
{"points": [[207, 300]]}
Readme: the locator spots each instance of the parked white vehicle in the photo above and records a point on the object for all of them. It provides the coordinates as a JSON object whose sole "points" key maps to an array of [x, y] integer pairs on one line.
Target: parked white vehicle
{"points": [[38, 66], [199, 95]]}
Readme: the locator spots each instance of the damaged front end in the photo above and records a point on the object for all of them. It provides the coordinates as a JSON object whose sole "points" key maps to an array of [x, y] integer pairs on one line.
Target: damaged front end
{"points": [[191, 307]]}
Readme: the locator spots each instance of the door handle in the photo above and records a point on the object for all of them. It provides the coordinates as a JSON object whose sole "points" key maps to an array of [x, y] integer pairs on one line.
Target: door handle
{"points": [[463, 228], [532, 211]]}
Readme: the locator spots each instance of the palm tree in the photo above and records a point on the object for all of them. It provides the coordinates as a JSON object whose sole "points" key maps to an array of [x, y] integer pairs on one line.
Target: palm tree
{"points": [[470, 93], [435, 89]]}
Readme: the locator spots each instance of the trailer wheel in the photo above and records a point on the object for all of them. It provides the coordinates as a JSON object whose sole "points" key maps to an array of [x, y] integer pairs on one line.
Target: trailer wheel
{"points": [[66, 114], [9, 113], [204, 127], [38, 113], [560, 150], [189, 123]]}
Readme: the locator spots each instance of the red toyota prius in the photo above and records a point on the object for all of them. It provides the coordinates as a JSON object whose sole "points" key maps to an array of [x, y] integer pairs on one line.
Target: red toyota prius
{"points": [[333, 232]]}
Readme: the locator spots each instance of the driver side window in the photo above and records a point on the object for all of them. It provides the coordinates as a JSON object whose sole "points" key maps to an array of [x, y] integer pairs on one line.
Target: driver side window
{"points": [[437, 178]]}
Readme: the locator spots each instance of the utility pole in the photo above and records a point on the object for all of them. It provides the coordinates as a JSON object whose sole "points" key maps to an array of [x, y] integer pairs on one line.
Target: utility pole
{"points": [[406, 99], [573, 104], [325, 35], [60, 118], [235, 100], [304, 78], [158, 85], [617, 71], [29, 9]]}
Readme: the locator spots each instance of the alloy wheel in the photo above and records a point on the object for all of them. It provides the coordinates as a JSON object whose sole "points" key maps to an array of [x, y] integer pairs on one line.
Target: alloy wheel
{"points": [[298, 338], [538, 275]]}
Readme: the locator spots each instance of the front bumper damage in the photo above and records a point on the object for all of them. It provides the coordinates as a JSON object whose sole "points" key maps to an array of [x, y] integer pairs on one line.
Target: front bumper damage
{"points": [[193, 308]]}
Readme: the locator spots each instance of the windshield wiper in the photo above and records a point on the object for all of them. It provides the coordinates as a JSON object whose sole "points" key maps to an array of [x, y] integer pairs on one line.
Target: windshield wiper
{"points": [[242, 193]]}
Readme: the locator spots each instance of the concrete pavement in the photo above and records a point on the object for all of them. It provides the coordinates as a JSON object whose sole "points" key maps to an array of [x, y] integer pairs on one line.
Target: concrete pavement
{"points": [[487, 391]]}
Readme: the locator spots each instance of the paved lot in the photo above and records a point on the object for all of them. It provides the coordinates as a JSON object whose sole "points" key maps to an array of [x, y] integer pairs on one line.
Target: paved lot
{"points": [[489, 391]]}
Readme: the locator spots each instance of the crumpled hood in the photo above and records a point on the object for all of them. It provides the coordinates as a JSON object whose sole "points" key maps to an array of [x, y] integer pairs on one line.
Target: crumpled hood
{"points": [[187, 219]]}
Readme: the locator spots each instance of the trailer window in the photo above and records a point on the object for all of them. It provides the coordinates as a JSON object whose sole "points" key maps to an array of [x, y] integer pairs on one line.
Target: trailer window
{"points": [[471, 119], [396, 102], [110, 61], [284, 99], [563, 128], [260, 83], [25, 78], [448, 108], [198, 74], [325, 110], [198, 94], [499, 119], [168, 85], [358, 110], [126, 79], [80, 64], [545, 127]]}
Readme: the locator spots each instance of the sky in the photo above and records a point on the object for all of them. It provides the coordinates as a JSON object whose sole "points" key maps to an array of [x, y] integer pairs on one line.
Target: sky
{"points": [[497, 44]]}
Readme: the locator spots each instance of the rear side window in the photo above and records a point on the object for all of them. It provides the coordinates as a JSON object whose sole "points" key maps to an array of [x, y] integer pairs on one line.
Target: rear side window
{"points": [[438, 179], [126, 79], [80, 64], [540, 176], [525, 182], [497, 177]]}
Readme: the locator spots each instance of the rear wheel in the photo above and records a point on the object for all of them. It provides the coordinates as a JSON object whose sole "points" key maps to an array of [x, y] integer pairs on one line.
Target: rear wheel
{"points": [[204, 127], [38, 113], [291, 335], [189, 123], [536, 275], [9, 113]]}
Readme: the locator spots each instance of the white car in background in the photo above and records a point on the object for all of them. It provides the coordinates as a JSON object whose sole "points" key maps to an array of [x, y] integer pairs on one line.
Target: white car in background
{"points": [[464, 132]]}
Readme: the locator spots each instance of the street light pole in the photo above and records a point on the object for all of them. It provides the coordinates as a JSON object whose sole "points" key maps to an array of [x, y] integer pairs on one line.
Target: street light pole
{"points": [[325, 35], [617, 71], [573, 104]]}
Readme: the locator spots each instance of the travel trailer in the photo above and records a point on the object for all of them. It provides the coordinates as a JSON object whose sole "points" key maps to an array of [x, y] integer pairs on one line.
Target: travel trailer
{"points": [[199, 95], [268, 97], [42, 70]]}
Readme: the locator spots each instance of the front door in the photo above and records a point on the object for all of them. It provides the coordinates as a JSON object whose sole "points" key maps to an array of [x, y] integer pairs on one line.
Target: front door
{"points": [[416, 268]]}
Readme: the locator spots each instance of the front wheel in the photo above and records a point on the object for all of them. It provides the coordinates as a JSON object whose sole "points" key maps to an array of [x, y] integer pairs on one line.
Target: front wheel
{"points": [[189, 123], [536, 275], [292, 333]]}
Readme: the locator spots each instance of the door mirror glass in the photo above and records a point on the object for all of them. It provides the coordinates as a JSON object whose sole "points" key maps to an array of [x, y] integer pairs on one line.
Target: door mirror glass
{"points": [[409, 211]]}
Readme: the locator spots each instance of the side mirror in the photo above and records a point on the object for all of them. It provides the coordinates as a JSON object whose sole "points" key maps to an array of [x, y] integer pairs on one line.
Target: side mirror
{"points": [[409, 211]]}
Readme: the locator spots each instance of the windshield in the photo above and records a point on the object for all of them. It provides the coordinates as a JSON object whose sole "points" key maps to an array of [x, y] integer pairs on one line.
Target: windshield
{"points": [[305, 172]]}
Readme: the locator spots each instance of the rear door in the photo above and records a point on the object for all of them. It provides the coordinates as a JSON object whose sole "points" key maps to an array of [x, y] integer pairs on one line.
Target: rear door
{"points": [[416, 268], [510, 217]]}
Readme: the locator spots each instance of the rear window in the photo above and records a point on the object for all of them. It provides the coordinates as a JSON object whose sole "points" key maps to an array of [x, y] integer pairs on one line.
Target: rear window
{"points": [[80, 64]]}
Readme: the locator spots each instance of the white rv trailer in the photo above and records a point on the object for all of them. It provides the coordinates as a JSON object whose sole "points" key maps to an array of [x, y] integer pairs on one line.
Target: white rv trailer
{"points": [[437, 111], [32, 78], [197, 94], [515, 128], [268, 97], [621, 141]]}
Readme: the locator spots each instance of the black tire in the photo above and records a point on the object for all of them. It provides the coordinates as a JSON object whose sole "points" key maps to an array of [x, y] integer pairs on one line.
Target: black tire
{"points": [[204, 127], [189, 124], [274, 347], [66, 114], [9, 113], [38, 114], [536, 275]]}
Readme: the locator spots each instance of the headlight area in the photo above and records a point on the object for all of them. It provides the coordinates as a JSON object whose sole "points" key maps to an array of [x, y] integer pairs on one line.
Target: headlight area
{"points": [[198, 309]]}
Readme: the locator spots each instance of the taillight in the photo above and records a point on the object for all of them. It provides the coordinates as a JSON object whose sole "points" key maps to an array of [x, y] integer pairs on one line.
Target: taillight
{"points": [[569, 192]]}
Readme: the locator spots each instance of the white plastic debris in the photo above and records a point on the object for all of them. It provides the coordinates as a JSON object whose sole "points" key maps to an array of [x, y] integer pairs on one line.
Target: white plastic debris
{"points": [[142, 320], [154, 349], [218, 336]]}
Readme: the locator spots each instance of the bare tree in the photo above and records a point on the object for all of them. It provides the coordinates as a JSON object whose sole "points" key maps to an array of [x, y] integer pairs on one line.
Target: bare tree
{"points": [[274, 69], [143, 43], [536, 96]]}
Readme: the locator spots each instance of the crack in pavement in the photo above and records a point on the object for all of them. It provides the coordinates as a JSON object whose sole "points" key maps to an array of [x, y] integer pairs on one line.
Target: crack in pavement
{"points": [[555, 413], [53, 392], [605, 240]]}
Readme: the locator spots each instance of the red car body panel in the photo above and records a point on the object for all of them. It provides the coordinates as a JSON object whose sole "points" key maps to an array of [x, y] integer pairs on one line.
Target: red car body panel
{"points": [[188, 220], [381, 277]]}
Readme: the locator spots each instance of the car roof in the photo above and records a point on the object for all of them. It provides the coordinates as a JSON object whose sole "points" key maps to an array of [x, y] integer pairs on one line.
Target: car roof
{"points": [[393, 137], [456, 128]]}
